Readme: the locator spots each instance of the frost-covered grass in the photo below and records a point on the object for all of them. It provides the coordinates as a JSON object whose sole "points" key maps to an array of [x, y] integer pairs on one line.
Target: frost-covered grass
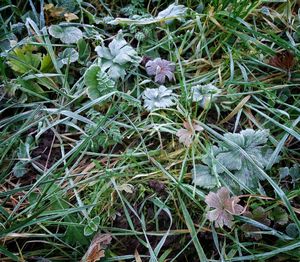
{"points": [[149, 130]]}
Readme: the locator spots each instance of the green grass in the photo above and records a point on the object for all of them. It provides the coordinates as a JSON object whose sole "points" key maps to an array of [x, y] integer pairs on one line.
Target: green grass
{"points": [[107, 165]]}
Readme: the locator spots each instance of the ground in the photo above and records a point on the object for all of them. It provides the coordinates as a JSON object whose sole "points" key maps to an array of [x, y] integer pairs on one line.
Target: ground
{"points": [[149, 130]]}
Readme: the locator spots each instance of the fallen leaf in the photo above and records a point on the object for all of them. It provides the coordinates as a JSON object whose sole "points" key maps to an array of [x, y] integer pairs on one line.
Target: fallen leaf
{"points": [[284, 60], [224, 207], [70, 17], [48, 6], [54, 11], [185, 134], [96, 248]]}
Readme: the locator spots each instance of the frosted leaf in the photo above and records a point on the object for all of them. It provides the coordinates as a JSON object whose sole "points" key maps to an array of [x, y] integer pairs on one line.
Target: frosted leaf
{"points": [[67, 35], [227, 156], [204, 94], [115, 58], [186, 134], [158, 98], [69, 55], [224, 207], [202, 177], [161, 69], [172, 10], [98, 83]]}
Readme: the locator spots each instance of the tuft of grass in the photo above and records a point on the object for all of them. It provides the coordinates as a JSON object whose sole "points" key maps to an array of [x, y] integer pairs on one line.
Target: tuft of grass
{"points": [[74, 166]]}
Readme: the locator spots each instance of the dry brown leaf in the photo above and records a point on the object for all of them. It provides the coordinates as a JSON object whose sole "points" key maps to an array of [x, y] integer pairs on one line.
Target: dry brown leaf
{"points": [[185, 134], [54, 11], [48, 6], [284, 60], [137, 256], [70, 17], [224, 207], [96, 249]]}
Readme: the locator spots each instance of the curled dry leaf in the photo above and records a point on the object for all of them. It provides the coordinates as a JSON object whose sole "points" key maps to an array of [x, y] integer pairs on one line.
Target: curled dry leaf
{"points": [[70, 17], [224, 207], [185, 134], [53, 11], [96, 248], [284, 60]]}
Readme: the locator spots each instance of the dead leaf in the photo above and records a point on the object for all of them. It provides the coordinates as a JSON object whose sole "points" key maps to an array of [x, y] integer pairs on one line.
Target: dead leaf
{"points": [[54, 11], [70, 17], [128, 188], [48, 6], [96, 248], [284, 60], [185, 134], [137, 256], [236, 109]]}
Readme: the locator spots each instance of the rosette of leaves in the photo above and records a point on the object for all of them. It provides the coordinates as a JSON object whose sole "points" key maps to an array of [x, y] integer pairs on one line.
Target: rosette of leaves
{"points": [[252, 142], [204, 94], [155, 98], [68, 56], [66, 34], [98, 82], [117, 57]]}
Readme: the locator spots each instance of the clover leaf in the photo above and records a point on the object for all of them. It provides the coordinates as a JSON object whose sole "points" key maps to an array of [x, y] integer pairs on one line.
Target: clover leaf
{"points": [[67, 35], [69, 55]]}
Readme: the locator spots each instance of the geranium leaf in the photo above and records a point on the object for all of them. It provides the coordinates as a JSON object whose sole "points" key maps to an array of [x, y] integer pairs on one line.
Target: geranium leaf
{"points": [[117, 57], [202, 177], [158, 98]]}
